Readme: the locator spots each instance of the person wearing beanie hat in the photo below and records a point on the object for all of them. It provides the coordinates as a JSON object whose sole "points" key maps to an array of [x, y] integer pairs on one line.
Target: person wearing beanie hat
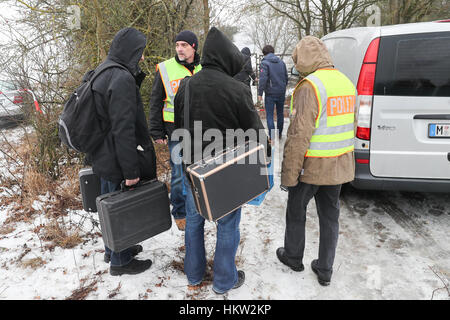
{"points": [[161, 117], [188, 37]]}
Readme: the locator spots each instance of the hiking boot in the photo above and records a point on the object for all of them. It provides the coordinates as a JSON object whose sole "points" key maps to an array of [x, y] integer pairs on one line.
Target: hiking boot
{"points": [[240, 282], [134, 267], [294, 265], [181, 224], [134, 252], [323, 281]]}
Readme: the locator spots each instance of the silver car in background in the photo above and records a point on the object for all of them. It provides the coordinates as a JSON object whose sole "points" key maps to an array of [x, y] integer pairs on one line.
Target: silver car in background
{"points": [[402, 74], [11, 101]]}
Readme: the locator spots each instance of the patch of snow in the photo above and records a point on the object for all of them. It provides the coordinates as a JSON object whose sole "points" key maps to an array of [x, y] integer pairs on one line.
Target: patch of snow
{"points": [[376, 258]]}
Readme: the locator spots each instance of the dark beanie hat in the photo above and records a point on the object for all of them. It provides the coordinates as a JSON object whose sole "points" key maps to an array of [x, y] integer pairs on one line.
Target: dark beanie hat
{"points": [[189, 37]]}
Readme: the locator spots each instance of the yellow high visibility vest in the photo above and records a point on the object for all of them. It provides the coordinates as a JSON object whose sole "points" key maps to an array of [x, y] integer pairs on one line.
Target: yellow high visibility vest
{"points": [[334, 132], [171, 75]]}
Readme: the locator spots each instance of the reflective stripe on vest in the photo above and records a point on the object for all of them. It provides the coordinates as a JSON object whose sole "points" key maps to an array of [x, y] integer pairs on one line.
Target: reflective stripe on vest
{"points": [[336, 95], [171, 75]]}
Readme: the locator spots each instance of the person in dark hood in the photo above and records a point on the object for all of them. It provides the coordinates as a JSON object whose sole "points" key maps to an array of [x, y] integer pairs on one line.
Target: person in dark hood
{"points": [[165, 86], [247, 72], [119, 104], [219, 102], [273, 79]]}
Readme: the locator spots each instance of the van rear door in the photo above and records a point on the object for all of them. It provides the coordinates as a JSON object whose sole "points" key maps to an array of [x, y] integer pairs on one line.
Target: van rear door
{"points": [[411, 108]]}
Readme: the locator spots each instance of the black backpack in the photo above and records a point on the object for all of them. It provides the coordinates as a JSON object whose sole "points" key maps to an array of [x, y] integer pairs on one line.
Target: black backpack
{"points": [[79, 123]]}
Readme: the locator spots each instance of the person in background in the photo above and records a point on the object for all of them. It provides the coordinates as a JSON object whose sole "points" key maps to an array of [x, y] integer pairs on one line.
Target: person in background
{"points": [[273, 79], [247, 73]]}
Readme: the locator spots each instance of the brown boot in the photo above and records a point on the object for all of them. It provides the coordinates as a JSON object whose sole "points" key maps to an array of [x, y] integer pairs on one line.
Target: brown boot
{"points": [[181, 224]]}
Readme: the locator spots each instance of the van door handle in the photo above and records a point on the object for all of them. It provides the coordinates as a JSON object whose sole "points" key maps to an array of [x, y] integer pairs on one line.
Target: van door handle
{"points": [[432, 117]]}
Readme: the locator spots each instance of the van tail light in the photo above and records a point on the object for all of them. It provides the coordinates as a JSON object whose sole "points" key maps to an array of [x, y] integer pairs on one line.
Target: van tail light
{"points": [[363, 133], [365, 87], [364, 115]]}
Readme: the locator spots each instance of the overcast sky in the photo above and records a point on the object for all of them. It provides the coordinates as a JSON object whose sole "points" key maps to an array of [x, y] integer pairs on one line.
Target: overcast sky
{"points": [[6, 14]]}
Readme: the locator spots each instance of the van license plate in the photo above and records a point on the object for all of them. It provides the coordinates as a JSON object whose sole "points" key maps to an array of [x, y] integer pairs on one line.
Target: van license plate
{"points": [[436, 130]]}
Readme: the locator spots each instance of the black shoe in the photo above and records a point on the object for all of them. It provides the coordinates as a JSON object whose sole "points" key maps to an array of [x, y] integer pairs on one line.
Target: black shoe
{"points": [[134, 252], [294, 265], [240, 282], [241, 279], [322, 281], [134, 267]]}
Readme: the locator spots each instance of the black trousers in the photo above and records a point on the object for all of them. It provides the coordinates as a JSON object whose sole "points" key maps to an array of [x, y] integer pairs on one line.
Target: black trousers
{"points": [[327, 203]]}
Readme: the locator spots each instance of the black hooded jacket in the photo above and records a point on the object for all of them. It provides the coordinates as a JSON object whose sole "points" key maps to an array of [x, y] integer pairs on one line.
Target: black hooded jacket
{"points": [[119, 104], [247, 71], [215, 98]]}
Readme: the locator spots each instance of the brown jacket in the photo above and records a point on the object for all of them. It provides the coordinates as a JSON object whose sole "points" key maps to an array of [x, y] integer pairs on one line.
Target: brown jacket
{"points": [[310, 55]]}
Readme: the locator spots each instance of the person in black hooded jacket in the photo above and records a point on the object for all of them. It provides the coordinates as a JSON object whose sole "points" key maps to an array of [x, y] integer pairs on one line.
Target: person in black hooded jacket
{"points": [[247, 71], [119, 105], [219, 102]]}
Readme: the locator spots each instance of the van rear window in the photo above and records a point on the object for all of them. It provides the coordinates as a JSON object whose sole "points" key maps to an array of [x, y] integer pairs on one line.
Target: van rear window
{"points": [[414, 65]]}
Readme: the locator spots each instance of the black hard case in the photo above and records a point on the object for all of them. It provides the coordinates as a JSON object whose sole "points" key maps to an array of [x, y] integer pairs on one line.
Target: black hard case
{"points": [[129, 217], [89, 188], [223, 183]]}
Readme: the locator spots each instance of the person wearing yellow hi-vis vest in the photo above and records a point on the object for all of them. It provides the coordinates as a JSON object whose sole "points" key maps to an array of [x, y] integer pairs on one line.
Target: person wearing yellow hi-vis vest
{"points": [[318, 154], [167, 80]]}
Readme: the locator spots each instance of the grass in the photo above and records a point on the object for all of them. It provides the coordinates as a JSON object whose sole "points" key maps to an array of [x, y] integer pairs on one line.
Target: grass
{"points": [[33, 263]]}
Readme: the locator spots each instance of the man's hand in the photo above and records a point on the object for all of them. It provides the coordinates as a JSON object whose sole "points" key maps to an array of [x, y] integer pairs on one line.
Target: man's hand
{"points": [[259, 99], [130, 183], [161, 141]]}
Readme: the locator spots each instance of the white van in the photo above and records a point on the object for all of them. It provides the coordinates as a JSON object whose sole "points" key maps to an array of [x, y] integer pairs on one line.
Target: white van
{"points": [[402, 74]]}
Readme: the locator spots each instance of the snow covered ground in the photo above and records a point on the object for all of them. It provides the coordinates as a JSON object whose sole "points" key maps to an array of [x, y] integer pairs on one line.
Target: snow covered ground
{"points": [[391, 246]]}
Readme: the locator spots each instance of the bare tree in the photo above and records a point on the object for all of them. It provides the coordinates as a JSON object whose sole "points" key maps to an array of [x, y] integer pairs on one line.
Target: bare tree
{"points": [[320, 17], [39, 58], [341, 14], [298, 11], [405, 11], [43, 53], [277, 31], [206, 19]]}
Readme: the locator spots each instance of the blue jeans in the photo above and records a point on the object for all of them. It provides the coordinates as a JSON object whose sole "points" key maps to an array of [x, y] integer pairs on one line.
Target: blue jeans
{"points": [[270, 103], [177, 189], [124, 257], [228, 237]]}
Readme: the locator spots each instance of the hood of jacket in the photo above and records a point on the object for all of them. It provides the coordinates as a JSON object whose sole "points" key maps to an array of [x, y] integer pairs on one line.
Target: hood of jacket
{"points": [[271, 58], [127, 48], [246, 51], [311, 54], [220, 53]]}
